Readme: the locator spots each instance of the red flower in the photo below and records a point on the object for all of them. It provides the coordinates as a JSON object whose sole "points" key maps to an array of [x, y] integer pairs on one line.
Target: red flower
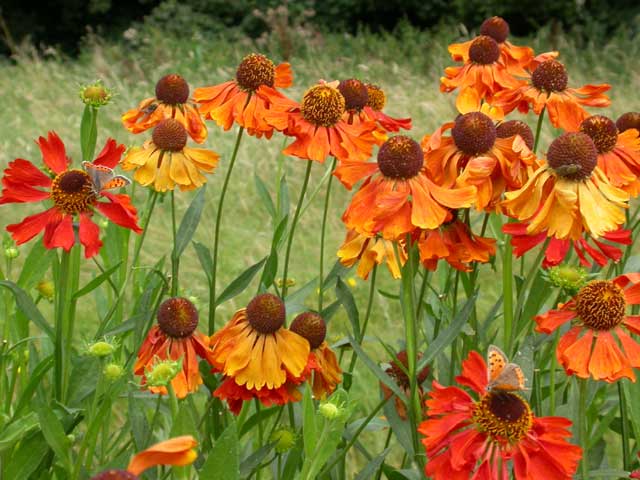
{"points": [[557, 249], [74, 194], [476, 439]]}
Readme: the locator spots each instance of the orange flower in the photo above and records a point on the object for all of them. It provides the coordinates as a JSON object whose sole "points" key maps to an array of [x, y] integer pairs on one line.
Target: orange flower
{"points": [[569, 194], [178, 451], [165, 161], [240, 100], [319, 126], [475, 155], [327, 374], [548, 89], [398, 372], [256, 350], [402, 196], [364, 103], [454, 242], [367, 251], [591, 346], [175, 337], [171, 101], [483, 71], [618, 152], [467, 438]]}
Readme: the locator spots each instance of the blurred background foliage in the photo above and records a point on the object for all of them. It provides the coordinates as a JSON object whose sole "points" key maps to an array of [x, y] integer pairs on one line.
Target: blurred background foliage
{"points": [[64, 24]]}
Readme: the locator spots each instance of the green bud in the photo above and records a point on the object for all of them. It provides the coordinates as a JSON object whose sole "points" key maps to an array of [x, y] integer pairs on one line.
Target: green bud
{"points": [[570, 278], [95, 94], [162, 373], [11, 253], [329, 410], [100, 349], [46, 289], [284, 438], [112, 371]]}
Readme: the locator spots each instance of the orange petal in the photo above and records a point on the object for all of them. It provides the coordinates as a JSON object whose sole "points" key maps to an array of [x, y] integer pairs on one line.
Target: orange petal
{"points": [[175, 451]]}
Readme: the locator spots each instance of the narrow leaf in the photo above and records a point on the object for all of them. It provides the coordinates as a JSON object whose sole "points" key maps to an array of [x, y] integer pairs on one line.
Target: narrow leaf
{"points": [[96, 282], [189, 222], [54, 434], [377, 371], [37, 261], [241, 282], [224, 459], [206, 260], [26, 305], [264, 195], [372, 467], [88, 132], [309, 427], [343, 293], [17, 429]]}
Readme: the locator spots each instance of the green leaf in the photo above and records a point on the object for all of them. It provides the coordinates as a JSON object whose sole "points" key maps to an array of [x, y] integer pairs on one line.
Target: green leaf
{"points": [[96, 282], [206, 260], [189, 222], [26, 305], [17, 429], [224, 459], [36, 263], [446, 338], [291, 466], [54, 434], [330, 310], [252, 462], [27, 457], [309, 426], [372, 467], [264, 195], [283, 198], [295, 302], [344, 295], [184, 423], [138, 422], [377, 371], [35, 378], [256, 418], [241, 282], [88, 132]]}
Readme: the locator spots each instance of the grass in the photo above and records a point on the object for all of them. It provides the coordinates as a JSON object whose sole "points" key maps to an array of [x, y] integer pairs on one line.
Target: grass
{"points": [[41, 94]]}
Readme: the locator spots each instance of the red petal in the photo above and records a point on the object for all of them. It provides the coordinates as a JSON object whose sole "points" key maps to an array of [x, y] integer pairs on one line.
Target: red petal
{"points": [[31, 226], [110, 154], [53, 152], [474, 373], [120, 211], [60, 234], [89, 236]]}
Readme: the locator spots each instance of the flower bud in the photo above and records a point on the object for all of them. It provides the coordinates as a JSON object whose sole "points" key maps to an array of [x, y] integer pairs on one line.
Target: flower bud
{"points": [[100, 349], [161, 374], [46, 289], [329, 410], [284, 438], [11, 253], [570, 278], [95, 94], [112, 371]]}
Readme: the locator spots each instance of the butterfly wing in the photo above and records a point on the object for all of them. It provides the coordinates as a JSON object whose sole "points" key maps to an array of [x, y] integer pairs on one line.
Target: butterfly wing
{"points": [[103, 177], [510, 379], [496, 361], [118, 181]]}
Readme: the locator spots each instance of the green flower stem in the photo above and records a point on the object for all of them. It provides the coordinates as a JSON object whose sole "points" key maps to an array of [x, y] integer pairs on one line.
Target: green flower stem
{"points": [[90, 438], [538, 129], [552, 375], [624, 420], [216, 233], [583, 428], [294, 223], [260, 434], [175, 260], [322, 235], [507, 294]]}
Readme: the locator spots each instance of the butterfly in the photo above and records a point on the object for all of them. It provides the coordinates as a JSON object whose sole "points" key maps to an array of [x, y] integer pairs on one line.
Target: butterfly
{"points": [[103, 177], [503, 376]]}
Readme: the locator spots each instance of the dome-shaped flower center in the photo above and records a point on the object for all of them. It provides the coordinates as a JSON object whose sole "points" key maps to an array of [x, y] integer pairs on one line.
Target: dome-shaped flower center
{"points": [[377, 98], [169, 135], [601, 305], [515, 127], [484, 50], [266, 313], [602, 131], [397, 372], [355, 94], [255, 70], [550, 76], [323, 105], [115, 475], [400, 157], [311, 326], [73, 192], [172, 89], [628, 120], [177, 317], [474, 133], [496, 28], [503, 417], [573, 156]]}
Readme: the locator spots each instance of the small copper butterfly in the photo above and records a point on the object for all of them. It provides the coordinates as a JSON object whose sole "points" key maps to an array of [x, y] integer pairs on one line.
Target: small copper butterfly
{"points": [[103, 177], [502, 375]]}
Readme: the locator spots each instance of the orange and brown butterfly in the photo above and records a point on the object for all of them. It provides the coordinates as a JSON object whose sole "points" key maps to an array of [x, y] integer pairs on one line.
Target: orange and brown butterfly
{"points": [[103, 177], [503, 376]]}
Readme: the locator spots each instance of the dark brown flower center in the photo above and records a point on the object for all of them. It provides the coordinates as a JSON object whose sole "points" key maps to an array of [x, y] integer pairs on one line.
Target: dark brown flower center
{"points": [[503, 417], [398, 372], [628, 120], [172, 89], [255, 70], [266, 313], [400, 157], [73, 192], [474, 133], [602, 131], [376, 97], [355, 94], [550, 76], [169, 135], [515, 127], [484, 50], [115, 475], [573, 156], [496, 28], [177, 317], [323, 105], [601, 305], [311, 326]]}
